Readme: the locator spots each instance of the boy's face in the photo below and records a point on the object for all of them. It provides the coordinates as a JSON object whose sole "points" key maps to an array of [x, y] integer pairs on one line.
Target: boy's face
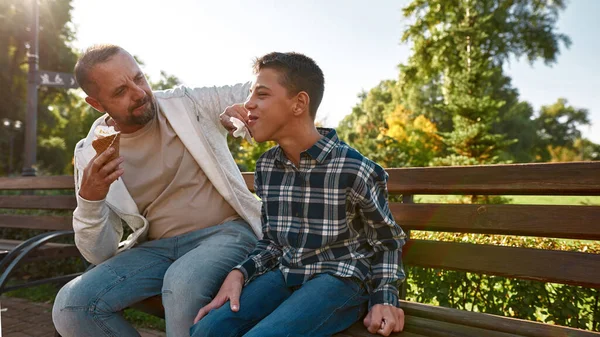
{"points": [[269, 106]]}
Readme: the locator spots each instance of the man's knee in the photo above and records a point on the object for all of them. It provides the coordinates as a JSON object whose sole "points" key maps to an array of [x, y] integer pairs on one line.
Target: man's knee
{"points": [[72, 306], [185, 289]]}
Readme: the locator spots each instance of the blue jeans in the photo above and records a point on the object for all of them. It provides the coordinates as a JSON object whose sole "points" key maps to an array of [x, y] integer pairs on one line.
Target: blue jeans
{"points": [[323, 306], [187, 270]]}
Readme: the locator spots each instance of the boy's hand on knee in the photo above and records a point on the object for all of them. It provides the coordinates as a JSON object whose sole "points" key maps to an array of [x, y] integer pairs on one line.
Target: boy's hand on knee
{"points": [[383, 319], [230, 291]]}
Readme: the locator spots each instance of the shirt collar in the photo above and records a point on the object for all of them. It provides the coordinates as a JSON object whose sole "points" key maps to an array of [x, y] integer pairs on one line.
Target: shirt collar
{"points": [[320, 150]]}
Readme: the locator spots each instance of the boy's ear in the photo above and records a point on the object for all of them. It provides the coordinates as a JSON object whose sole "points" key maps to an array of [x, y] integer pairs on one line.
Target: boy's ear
{"points": [[302, 103]]}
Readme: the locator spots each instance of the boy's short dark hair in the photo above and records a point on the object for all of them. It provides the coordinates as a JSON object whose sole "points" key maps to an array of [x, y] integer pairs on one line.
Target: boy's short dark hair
{"points": [[297, 72], [99, 53]]}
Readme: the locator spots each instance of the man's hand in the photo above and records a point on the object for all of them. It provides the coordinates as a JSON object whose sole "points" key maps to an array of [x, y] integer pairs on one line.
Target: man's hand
{"points": [[238, 111], [230, 290], [99, 174], [383, 319]]}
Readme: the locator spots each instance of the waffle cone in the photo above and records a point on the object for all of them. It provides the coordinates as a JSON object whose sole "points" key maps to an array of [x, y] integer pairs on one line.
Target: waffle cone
{"points": [[102, 144]]}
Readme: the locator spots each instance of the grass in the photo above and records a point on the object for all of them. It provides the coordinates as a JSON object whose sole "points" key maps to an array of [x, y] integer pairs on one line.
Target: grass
{"points": [[47, 292]]}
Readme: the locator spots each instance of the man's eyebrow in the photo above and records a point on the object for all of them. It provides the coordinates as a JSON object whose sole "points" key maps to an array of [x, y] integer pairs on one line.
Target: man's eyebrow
{"points": [[138, 75], [117, 89]]}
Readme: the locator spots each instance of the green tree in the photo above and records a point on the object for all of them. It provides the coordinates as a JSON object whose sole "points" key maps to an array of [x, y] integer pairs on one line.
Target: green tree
{"points": [[459, 49], [381, 128], [166, 81], [558, 127], [55, 54]]}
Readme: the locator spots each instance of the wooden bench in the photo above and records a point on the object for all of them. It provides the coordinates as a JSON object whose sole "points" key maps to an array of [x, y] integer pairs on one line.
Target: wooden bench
{"points": [[14, 253], [550, 221]]}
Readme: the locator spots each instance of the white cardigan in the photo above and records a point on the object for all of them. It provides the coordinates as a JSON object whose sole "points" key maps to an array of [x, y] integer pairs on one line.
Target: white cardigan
{"points": [[194, 116]]}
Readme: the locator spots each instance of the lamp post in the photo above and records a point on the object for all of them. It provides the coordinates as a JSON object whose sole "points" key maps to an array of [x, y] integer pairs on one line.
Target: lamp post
{"points": [[32, 95], [13, 127]]}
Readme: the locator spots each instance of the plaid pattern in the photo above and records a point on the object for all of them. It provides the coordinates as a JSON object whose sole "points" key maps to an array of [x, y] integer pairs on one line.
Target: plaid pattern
{"points": [[328, 215]]}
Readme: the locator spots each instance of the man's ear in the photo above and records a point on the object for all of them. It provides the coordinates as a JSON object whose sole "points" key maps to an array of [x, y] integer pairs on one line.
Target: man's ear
{"points": [[302, 103], [95, 104]]}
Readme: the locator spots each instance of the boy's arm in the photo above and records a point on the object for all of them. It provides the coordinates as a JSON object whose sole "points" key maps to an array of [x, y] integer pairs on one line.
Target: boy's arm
{"points": [[383, 234], [266, 254], [265, 257]]}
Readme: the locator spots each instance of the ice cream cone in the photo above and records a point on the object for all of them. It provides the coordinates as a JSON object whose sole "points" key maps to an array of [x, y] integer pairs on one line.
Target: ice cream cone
{"points": [[102, 144]]}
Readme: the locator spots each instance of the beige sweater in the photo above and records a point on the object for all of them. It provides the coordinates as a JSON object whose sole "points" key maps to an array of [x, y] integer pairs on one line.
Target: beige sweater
{"points": [[194, 116]]}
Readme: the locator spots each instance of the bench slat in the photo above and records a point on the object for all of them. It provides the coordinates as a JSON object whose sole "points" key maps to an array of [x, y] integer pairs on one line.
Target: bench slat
{"points": [[487, 321], [56, 202], [50, 250], [37, 183], [36, 222], [437, 328], [568, 222], [576, 178], [358, 330], [525, 263]]}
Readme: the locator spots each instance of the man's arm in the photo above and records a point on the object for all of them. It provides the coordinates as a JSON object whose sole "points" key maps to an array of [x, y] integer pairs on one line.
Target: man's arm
{"points": [[212, 101], [98, 229]]}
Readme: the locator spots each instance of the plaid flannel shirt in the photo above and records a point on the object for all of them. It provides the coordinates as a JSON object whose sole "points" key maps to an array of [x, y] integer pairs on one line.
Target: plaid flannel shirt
{"points": [[328, 215]]}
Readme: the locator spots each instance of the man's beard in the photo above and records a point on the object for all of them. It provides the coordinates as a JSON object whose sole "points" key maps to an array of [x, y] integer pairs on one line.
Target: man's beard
{"points": [[146, 116]]}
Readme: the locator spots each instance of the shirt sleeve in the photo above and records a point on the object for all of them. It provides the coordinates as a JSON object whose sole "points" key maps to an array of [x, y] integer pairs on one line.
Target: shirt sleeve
{"points": [[383, 234], [267, 253]]}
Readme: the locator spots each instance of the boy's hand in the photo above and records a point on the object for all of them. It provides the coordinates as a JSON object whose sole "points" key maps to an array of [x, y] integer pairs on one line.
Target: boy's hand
{"points": [[230, 290], [383, 319], [238, 111]]}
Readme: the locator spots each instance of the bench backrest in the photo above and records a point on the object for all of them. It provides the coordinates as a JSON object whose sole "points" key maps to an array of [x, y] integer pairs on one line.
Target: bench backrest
{"points": [[552, 221], [19, 199], [549, 221]]}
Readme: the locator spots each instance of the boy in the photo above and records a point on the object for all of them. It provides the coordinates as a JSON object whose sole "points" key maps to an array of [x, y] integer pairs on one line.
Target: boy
{"points": [[330, 244]]}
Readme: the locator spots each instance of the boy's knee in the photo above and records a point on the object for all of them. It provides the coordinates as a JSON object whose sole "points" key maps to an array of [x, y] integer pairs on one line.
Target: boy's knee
{"points": [[218, 323]]}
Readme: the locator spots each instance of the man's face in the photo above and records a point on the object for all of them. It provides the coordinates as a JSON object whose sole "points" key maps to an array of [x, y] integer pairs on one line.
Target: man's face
{"points": [[121, 90], [269, 106]]}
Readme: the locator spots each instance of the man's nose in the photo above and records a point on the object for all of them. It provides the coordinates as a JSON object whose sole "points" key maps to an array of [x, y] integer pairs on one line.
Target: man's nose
{"points": [[138, 93]]}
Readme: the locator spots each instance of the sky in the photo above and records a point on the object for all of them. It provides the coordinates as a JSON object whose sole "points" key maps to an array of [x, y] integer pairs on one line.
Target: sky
{"points": [[355, 42]]}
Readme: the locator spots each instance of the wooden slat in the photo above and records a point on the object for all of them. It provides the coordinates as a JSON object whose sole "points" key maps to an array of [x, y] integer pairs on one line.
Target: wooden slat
{"points": [[525, 263], [36, 222], [435, 328], [569, 222], [358, 330], [58, 202], [152, 306], [37, 183], [578, 178], [487, 321], [50, 250]]}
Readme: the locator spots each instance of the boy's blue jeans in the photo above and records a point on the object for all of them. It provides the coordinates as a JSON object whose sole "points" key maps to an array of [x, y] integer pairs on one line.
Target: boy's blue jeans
{"points": [[322, 306], [187, 270]]}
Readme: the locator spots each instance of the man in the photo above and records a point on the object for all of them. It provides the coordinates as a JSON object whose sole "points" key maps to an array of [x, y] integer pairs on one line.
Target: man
{"points": [[331, 248], [175, 185]]}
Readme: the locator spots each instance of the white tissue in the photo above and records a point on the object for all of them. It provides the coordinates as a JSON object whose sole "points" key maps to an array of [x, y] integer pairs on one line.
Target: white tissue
{"points": [[240, 129]]}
